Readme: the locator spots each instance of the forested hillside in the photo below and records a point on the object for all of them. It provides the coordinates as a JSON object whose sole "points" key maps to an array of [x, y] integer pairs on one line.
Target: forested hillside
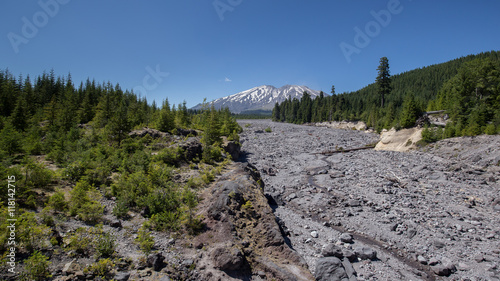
{"points": [[414, 90], [65, 150]]}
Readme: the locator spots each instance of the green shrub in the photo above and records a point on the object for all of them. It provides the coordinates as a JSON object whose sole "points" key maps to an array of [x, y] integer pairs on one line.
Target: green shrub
{"points": [[121, 209], [80, 242], [75, 170], [145, 240], [432, 134], [211, 154], [105, 244], [37, 175], [161, 200], [490, 129], [103, 268], [31, 234], [89, 241], [79, 197], [58, 202], [195, 226], [131, 188], [91, 212], [37, 267], [84, 202], [268, 130], [170, 155], [166, 221]]}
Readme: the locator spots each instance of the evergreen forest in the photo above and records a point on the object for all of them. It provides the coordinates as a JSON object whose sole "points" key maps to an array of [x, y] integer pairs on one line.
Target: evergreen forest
{"points": [[66, 149], [467, 88]]}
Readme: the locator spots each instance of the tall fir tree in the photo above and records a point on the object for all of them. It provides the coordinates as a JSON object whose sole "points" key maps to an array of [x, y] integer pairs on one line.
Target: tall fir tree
{"points": [[383, 79]]}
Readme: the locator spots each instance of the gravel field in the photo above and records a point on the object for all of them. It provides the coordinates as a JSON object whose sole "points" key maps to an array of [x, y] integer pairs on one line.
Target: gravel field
{"points": [[432, 214]]}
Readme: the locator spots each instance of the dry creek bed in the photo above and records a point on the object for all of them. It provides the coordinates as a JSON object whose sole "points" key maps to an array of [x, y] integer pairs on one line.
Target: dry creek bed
{"points": [[423, 212]]}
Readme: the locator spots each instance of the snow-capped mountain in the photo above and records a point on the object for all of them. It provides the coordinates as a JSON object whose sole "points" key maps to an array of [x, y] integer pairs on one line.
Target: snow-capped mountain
{"points": [[261, 98]]}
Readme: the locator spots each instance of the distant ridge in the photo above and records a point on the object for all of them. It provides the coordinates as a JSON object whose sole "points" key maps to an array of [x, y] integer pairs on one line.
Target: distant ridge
{"points": [[261, 98]]}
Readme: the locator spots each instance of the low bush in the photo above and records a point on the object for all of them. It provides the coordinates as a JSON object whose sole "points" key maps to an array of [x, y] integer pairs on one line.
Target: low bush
{"points": [[58, 202], [145, 240], [166, 221], [36, 267], [103, 269]]}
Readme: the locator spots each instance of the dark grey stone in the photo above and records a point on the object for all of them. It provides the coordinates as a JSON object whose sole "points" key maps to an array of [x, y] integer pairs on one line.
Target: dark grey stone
{"points": [[330, 269]]}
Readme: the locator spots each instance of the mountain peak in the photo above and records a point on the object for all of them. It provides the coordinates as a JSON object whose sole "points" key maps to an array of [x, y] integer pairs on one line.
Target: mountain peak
{"points": [[261, 98]]}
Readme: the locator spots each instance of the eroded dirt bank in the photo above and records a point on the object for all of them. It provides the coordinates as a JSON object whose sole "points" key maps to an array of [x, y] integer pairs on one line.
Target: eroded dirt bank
{"points": [[420, 215]]}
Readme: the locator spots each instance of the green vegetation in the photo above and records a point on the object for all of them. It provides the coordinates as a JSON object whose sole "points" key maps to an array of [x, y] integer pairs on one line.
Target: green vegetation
{"points": [[37, 267], [69, 148], [467, 88]]}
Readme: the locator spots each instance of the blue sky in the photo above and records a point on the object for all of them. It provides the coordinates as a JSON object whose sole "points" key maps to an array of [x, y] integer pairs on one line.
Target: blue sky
{"points": [[190, 50]]}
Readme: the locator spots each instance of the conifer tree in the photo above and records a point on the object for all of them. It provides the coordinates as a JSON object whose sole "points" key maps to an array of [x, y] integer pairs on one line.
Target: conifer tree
{"points": [[383, 79], [166, 121], [410, 112]]}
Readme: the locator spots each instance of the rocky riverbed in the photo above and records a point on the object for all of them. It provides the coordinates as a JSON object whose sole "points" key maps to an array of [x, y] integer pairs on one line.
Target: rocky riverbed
{"points": [[431, 214]]}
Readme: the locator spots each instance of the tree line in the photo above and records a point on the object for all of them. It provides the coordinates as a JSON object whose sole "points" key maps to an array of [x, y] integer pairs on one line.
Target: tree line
{"points": [[466, 87]]}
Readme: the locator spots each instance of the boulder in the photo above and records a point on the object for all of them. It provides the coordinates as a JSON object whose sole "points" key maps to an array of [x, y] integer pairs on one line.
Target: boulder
{"points": [[332, 250], [233, 148], [330, 269], [228, 259], [192, 149], [156, 261], [365, 253], [187, 132], [346, 238]]}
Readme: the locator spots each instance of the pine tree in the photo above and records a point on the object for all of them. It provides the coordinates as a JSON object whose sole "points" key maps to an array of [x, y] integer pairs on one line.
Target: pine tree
{"points": [[383, 79], [166, 121], [410, 112]]}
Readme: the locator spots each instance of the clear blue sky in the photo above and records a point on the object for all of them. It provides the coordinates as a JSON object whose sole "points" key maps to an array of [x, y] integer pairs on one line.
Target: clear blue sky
{"points": [[209, 49]]}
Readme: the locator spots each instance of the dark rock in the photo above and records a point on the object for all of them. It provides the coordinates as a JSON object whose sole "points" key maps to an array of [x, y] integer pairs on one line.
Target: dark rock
{"points": [[444, 270], [192, 149], [57, 236], [145, 212], [219, 207], [329, 269], [228, 259], [350, 255], [116, 223], [346, 238], [349, 269], [332, 250], [187, 132], [365, 253], [233, 148], [122, 276], [156, 261]]}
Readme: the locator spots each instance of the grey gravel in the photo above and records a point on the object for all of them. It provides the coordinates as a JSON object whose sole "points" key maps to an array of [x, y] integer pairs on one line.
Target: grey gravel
{"points": [[440, 203]]}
